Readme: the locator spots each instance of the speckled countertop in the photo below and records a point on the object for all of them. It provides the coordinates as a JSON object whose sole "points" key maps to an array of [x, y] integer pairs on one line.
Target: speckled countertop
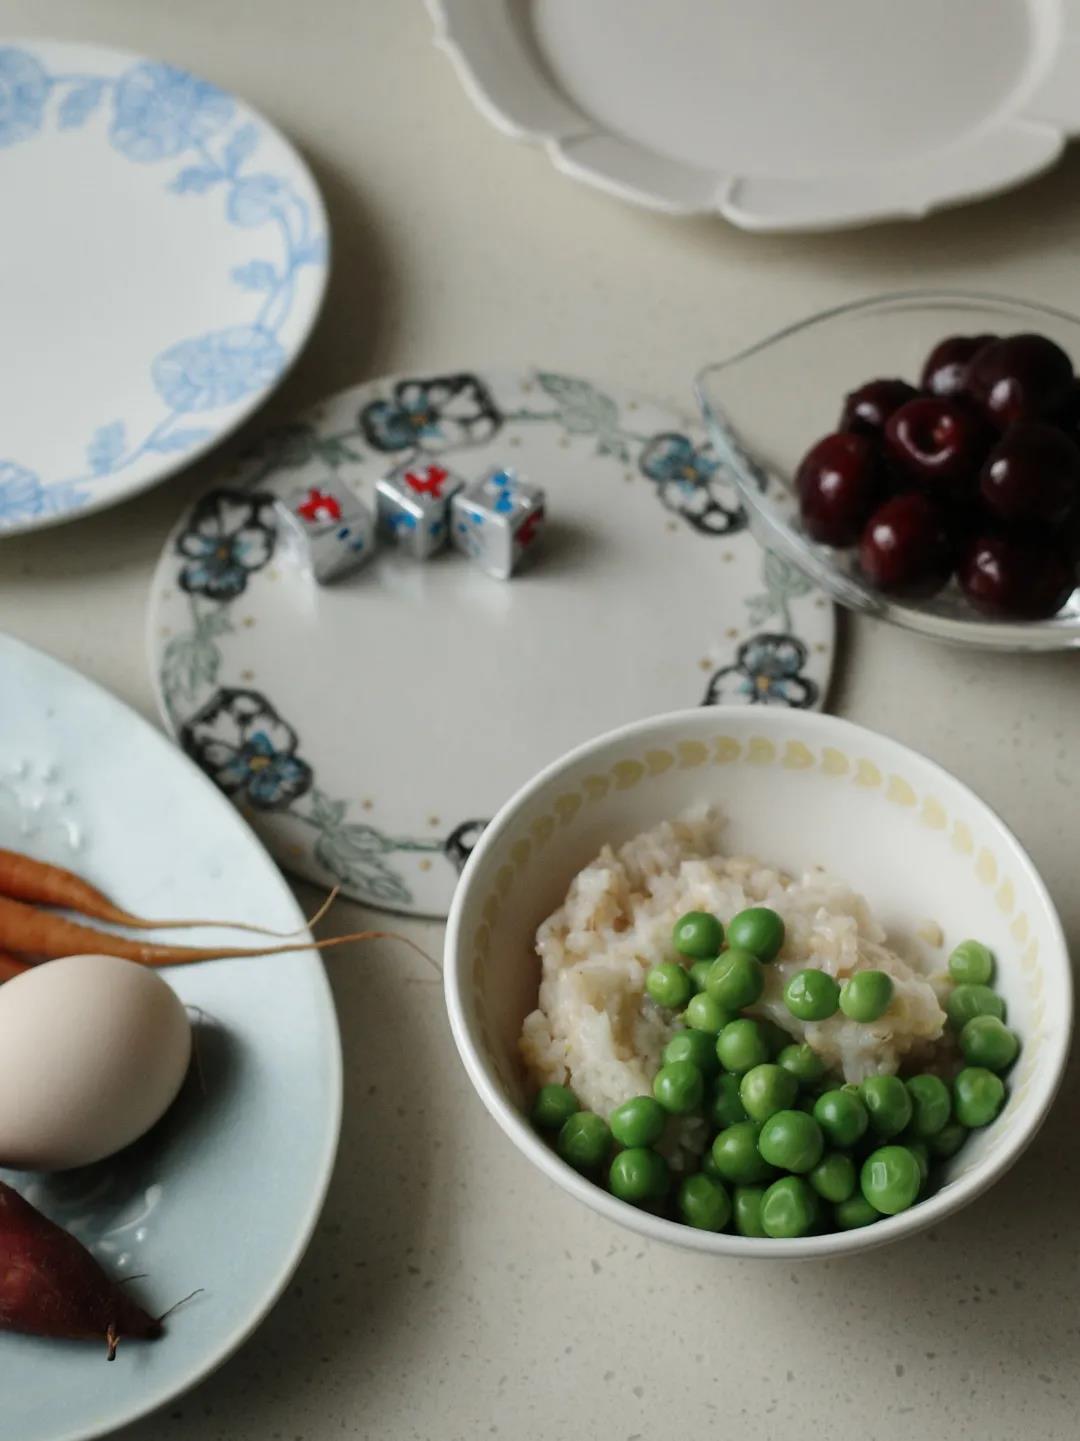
{"points": [[450, 1292]]}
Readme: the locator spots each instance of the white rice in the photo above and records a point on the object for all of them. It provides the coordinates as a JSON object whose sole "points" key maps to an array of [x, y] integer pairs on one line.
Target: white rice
{"points": [[597, 1031]]}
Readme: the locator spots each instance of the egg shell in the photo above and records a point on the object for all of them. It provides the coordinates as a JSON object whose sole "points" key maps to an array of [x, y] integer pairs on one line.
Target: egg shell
{"points": [[93, 1050]]}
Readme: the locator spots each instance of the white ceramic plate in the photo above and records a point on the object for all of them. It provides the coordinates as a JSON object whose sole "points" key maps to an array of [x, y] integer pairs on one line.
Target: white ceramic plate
{"points": [[369, 727], [223, 1194], [781, 114], [164, 257]]}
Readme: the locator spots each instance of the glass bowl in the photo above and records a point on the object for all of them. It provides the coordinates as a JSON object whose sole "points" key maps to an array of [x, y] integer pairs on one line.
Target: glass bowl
{"points": [[767, 405]]}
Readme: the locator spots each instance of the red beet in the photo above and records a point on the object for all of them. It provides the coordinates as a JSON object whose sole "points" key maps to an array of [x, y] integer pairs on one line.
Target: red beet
{"points": [[50, 1285]]}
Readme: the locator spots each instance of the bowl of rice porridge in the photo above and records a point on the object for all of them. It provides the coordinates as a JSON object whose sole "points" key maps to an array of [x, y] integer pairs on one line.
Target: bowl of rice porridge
{"points": [[601, 957]]}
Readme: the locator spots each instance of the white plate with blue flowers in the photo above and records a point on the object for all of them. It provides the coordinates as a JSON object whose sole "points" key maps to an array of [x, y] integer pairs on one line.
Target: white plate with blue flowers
{"points": [[164, 258], [368, 728]]}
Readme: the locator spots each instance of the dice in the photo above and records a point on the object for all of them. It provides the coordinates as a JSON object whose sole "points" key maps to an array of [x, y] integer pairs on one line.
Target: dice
{"points": [[414, 507], [497, 521], [332, 531]]}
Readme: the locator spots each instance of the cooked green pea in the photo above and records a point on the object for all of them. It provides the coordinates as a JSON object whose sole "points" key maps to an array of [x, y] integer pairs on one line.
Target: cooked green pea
{"points": [[758, 930], [791, 1140], [766, 1089], [931, 1105], [699, 974], [638, 1122], [866, 995], [986, 1041], [584, 1141], [705, 1014], [890, 1179], [736, 979], [669, 985], [638, 1175], [972, 962], [698, 935], [679, 1087], [554, 1105], [978, 1095], [693, 1046], [746, 1208], [812, 995], [776, 1038], [921, 1152], [727, 1108], [789, 1207], [888, 1101], [967, 1001], [834, 1178], [741, 1045], [803, 1062], [735, 1153], [704, 1203], [842, 1116], [947, 1141], [856, 1211]]}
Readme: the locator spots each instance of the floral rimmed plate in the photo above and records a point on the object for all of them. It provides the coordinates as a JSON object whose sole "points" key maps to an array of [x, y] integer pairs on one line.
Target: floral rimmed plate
{"points": [[368, 728], [165, 254]]}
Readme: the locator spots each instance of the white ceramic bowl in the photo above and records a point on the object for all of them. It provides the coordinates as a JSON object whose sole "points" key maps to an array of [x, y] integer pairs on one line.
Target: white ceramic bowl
{"points": [[798, 789]]}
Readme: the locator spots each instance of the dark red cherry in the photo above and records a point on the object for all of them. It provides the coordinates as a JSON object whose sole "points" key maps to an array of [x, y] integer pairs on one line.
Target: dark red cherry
{"points": [[906, 548], [1066, 416], [1016, 577], [838, 483], [867, 409], [1032, 474], [1022, 377], [938, 443], [946, 368]]}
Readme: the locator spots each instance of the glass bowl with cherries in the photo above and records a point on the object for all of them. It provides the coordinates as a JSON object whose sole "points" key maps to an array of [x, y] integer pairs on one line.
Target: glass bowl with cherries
{"points": [[917, 456]]}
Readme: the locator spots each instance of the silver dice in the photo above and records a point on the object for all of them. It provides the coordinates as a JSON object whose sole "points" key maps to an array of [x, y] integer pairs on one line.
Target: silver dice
{"points": [[414, 507], [330, 529], [496, 522]]}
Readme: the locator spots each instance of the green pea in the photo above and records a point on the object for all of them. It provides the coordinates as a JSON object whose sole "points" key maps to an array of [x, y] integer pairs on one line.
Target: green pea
{"points": [[705, 1014], [746, 1210], [776, 1038], [789, 1207], [792, 1141], [638, 1175], [931, 1105], [708, 1166], [699, 974], [766, 1089], [834, 1178], [679, 1087], [947, 1141], [758, 930], [741, 1045], [889, 1103], [584, 1141], [638, 1122], [698, 935], [866, 995], [972, 962], [704, 1203], [727, 1108], [554, 1105], [669, 985], [890, 1179], [921, 1152], [856, 1211], [736, 979], [978, 1095], [735, 1153], [967, 1001], [812, 995], [986, 1041], [842, 1116], [693, 1046], [803, 1062]]}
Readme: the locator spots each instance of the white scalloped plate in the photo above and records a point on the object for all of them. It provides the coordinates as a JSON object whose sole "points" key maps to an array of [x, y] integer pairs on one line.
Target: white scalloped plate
{"points": [[778, 114]]}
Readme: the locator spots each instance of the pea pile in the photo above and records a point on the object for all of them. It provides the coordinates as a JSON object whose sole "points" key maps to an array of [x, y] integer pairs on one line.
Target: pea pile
{"points": [[793, 1151]]}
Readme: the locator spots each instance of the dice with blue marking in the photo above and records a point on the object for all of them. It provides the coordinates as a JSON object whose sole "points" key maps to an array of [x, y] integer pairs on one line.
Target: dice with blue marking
{"points": [[497, 522], [414, 507], [330, 530]]}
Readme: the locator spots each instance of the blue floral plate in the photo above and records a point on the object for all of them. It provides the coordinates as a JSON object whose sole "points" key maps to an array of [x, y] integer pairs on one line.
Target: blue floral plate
{"points": [[165, 255], [368, 728]]}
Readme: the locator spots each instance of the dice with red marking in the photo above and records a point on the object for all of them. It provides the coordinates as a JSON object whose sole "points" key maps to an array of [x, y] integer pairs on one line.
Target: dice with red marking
{"points": [[328, 528], [497, 522], [414, 506]]}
